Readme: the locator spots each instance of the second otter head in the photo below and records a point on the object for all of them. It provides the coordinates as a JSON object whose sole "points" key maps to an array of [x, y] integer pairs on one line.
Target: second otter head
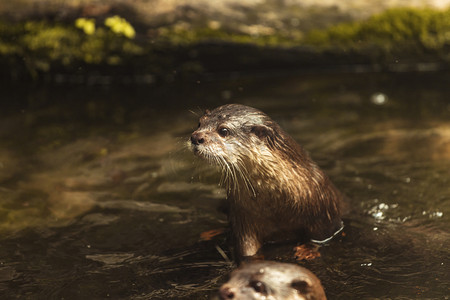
{"points": [[227, 136], [272, 280]]}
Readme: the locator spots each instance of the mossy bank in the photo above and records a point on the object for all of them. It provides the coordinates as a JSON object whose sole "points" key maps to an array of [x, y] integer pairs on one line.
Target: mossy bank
{"points": [[112, 46]]}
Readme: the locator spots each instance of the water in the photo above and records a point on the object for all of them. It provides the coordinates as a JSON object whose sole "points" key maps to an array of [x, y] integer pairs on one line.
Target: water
{"points": [[100, 199]]}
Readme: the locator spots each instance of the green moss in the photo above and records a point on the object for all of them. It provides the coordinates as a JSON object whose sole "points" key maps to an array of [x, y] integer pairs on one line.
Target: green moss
{"points": [[52, 43], [183, 34], [395, 28], [43, 45], [8, 38], [413, 30]]}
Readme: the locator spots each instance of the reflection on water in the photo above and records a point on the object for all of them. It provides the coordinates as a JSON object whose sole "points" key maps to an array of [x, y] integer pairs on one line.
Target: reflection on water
{"points": [[100, 198]]}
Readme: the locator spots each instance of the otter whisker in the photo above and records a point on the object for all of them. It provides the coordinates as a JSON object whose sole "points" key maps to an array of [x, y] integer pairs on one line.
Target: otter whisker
{"points": [[233, 182], [242, 171], [230, 177], [225, 173], [194, 113], [246, 178]]}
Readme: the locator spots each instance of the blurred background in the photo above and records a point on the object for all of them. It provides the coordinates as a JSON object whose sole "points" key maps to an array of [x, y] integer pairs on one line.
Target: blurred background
{"points": [[101, 198], [146, 41]]}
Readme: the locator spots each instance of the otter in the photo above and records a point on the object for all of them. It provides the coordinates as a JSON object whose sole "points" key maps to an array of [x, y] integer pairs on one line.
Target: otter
{"points": [[274, 189], [272, 280]]}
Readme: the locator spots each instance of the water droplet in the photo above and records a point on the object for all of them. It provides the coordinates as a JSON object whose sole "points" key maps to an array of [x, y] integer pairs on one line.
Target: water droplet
{"points": [[378, 215], [383, 206], [436, 214], [378, 99], [406, 219]]}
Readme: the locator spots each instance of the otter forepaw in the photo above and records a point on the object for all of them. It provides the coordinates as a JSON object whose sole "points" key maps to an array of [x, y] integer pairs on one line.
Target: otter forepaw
{"points": [[208, 235], [306, 252]]}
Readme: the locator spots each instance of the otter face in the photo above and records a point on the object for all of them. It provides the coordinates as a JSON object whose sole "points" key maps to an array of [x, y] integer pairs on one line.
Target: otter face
{"points": [[272, 280], [227, 135]]}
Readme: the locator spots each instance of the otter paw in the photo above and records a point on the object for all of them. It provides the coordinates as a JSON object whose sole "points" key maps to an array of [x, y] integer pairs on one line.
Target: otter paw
{"points": [[306, 252], [208, 235]]}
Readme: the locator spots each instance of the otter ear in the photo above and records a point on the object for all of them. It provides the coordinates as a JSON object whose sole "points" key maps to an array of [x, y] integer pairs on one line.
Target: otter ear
{"points": [[262, 131], [303, 287]]}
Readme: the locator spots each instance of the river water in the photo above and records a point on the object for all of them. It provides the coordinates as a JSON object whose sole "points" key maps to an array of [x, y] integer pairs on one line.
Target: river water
{"points": [[99, 197]]}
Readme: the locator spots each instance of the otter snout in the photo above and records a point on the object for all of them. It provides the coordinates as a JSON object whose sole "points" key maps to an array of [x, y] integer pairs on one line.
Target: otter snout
{"points": [[226, 292], [197, 138]]}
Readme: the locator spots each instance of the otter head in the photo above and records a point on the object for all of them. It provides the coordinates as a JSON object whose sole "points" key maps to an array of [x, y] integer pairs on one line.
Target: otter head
{"points": [[272, 280], [228, 135]]}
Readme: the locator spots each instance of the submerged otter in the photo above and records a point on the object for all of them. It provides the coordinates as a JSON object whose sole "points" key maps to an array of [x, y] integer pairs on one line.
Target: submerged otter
{"points": [[273, 186], [272, 280]]}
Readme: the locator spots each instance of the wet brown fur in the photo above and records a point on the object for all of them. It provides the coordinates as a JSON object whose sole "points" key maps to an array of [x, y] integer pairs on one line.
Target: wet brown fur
{"points": [[272, 184]]}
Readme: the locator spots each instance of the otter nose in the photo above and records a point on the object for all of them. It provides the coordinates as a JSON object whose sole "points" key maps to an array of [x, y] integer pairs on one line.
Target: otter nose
{"points": [[197, 138], [226, 293]]}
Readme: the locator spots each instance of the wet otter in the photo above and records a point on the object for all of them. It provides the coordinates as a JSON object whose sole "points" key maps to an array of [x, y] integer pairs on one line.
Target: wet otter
{"points": [[272, 280], [273, 186]]}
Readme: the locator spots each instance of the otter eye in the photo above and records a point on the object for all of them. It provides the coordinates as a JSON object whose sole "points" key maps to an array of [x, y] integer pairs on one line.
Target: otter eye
{"points": [[223, 132], [258, 286]]}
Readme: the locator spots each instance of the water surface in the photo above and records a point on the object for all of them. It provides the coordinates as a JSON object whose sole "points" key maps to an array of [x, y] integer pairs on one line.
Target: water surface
{"points": [[99, 197]]}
